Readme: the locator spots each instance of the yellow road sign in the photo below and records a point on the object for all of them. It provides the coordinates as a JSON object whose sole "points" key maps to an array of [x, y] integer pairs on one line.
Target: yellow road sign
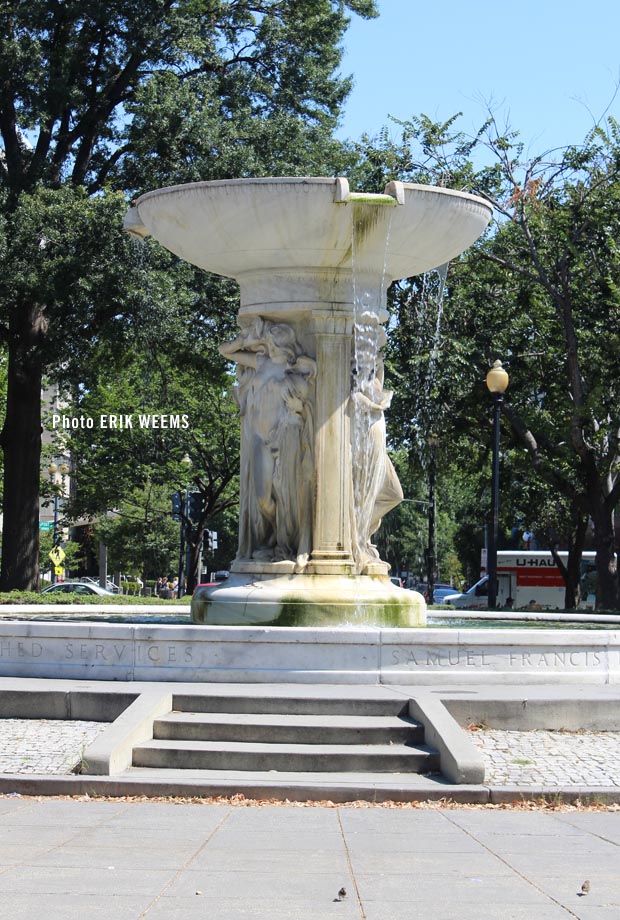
{"points": [[58, 570], [57, 554]]}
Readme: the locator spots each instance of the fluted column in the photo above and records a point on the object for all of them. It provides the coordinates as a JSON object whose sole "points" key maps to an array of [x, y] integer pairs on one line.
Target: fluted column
{"points": [[331, 551]]}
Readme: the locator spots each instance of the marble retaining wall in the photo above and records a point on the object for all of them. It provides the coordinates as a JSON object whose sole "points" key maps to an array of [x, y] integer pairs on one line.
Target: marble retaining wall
{"points": [[341, 655]]}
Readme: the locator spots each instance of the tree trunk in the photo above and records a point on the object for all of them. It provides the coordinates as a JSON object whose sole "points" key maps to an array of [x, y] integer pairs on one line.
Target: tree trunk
{"points": [[571, 571], [21, 443], [194, 560], [607, 594], [572, 596]]}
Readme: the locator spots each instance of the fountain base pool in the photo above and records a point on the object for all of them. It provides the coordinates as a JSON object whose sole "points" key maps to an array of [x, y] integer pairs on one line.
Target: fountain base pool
{"points": [[307, 600]]}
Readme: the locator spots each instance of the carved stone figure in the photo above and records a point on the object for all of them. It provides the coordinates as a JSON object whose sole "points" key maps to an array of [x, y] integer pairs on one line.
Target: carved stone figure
{"points": [[275, 397], [376, 489]]}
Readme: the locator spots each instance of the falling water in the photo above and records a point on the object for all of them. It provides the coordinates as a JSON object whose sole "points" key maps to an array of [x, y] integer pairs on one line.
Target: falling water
{"points": [[429, 308], [433, 290], [368, 338]]}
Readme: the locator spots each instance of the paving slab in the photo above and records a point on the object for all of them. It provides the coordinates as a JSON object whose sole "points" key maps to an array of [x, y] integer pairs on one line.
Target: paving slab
{"points": [[601, 824], [503, 823], [464, 910], [72, 906], [412, 863], [88, 856], [268, 886], [289, 862], [60, 813], [200, 908], [440, 889], [577, 866], [284, 862], [45, 880]]}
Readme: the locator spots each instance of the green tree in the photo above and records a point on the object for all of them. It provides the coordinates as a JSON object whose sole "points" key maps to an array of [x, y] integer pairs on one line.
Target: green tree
{"points": [[179, 406], [62, 282], [540, 291], [120, 95], [140, 535], [556, 298]]}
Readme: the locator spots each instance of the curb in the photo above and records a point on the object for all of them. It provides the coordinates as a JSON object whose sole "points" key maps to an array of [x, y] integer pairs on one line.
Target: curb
{"points": [[180, 787]]}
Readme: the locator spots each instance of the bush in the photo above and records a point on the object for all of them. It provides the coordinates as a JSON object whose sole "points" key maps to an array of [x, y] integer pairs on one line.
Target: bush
{"points": [[32, 597]]}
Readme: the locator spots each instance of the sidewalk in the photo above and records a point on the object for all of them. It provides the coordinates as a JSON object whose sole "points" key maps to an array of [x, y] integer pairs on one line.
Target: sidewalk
{"points": [[116, 860]]}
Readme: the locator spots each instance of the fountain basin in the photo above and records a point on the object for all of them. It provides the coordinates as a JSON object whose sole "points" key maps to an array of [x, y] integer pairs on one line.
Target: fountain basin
{"points": [[236, 227]]}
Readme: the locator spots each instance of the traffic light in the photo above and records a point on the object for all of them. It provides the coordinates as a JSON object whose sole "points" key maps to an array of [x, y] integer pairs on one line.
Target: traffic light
{"points": [[195, 506], [176, 506], [209, 542]]}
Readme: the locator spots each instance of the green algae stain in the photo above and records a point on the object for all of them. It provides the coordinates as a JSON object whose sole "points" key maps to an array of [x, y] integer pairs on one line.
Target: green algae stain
{"points": [[372, 198], [389, 613], [365, 218]]}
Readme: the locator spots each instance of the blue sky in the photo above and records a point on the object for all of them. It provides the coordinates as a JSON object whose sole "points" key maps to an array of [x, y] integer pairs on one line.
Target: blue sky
{"points": [[548, 68]]}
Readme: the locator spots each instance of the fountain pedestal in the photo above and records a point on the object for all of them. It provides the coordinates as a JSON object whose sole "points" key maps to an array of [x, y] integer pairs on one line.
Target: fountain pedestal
{"points": [[313, 263]]}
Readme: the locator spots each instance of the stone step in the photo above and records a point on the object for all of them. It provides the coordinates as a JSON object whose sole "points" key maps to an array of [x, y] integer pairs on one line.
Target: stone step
{"points": [[299, 703], [327, 758], [288, 728], [298, 786]]}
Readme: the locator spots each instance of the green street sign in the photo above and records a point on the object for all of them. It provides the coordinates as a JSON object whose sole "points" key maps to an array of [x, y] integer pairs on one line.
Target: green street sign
{"points": [[46, 525]]}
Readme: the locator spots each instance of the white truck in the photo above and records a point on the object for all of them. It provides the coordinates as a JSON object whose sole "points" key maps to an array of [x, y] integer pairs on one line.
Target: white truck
{"points": [[528, 579]]}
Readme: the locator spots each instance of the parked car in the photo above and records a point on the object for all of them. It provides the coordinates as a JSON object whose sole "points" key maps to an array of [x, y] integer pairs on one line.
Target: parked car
{"points": [[440, 591], [111, 587], [76, 587], [396, 581]]}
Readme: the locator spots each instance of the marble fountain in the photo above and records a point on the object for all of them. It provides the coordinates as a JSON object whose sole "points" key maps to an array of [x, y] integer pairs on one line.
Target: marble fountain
{"points": [[313, 261]]}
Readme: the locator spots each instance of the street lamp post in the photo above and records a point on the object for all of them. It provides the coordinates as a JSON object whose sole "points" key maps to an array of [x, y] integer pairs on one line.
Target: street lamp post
{"points": [[497, 382], [187, 464]]}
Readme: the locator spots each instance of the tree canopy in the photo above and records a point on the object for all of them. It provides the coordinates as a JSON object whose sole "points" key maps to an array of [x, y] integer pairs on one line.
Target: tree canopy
{"points": [[539, 291], [99, 99]]}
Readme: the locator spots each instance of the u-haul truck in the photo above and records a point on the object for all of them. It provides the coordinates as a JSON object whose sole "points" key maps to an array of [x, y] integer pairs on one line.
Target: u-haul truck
{"points": [[528, 579]]}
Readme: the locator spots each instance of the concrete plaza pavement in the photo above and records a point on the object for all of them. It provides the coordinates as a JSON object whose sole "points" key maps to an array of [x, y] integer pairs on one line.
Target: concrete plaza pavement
{"points": [[159, 860]]}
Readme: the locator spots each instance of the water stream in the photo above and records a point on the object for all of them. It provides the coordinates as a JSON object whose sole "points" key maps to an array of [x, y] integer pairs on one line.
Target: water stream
{"points": [[368, 396], [433, 290], [428, 322]]}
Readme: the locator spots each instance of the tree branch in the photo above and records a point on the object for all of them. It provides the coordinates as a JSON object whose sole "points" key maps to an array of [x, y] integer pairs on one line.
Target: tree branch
{"points": [[614, 496], [511, 266], [533, 446]]}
